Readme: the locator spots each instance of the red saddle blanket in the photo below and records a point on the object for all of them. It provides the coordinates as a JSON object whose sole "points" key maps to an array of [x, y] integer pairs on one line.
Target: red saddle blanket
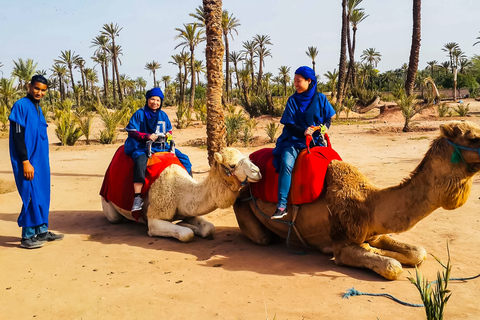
{"points": [[307, 178], [117, 184]]}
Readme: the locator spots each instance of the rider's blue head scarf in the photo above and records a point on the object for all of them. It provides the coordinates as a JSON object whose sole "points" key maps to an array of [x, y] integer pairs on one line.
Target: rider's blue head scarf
{"points": [[155, 92], [303, 99]]}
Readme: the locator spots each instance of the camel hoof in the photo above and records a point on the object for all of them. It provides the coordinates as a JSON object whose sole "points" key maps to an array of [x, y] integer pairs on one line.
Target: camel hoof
{"points": [[393, 270]]}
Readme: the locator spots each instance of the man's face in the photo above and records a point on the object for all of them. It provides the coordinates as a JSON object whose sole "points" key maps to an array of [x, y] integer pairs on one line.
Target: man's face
{"points": [[37, 90]]}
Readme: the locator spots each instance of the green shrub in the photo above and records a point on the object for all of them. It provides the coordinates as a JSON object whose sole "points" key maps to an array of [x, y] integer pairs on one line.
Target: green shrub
{"points": [[364, 97], [182, 117], [67, 130], [85, 120], [249, 129], [434, 300], [234, 122], [4, 114], [442, 109], [271, 129], [110, 121], [200, 107], [462, 109]]}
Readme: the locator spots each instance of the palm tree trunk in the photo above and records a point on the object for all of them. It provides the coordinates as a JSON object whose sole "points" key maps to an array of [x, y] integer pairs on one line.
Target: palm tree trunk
{"points": [[154, 79], [119, 84], [415, 49], [194, 83], [216, 130], [105, 82], [225, 34], [260, 72], [343, 54], [113, 82], [83, 82], [73, 85]]}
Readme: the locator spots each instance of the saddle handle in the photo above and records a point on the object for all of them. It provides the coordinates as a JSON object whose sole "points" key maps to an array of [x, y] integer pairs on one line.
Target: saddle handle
{"points": [[308, 139]]}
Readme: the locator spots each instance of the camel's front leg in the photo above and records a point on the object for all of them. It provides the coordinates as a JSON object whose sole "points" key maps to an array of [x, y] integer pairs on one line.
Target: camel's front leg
{"points": [[199, 226], [162, 228], [407, 254], [363, 256]]}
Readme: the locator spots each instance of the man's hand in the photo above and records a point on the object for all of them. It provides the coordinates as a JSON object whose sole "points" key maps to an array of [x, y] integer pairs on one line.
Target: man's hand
{"points": [[28, 170]]}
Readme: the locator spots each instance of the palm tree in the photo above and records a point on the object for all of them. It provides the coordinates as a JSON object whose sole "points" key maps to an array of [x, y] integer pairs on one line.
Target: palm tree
{"points": [[24, 70], [177, 60], [112, 31], [91, 76], [80, 64], [199, 68], [166, 81], [191, 38], [216, 131], [236, 58], [332, 81], [457, 55], [184, 60], [8, 93], [229, 24], [343, 54], [152, 66], [478, 38], [312, 53], [371, 56], [102, 56], [1, 65], [284, 73], [355, 16], [68, 59], [261, 52], [450, 47], [249, 52], [142, 83], [199, 15], [432, 64], [415, 49], [60, 71], [445, 65]]}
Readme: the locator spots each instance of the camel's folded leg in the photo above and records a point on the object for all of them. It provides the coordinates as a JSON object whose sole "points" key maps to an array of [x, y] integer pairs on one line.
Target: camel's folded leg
{"points": [[249, 224], [363, 256], [407, 254], [111, 213], [162, 228], [199, 226]]}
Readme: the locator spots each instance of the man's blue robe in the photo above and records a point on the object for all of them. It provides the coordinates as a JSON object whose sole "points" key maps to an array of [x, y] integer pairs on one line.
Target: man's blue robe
{"points": [[35, 193]]}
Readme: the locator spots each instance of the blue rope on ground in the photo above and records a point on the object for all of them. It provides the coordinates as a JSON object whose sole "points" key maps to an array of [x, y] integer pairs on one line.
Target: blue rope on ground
{"points": [[353, 292]]}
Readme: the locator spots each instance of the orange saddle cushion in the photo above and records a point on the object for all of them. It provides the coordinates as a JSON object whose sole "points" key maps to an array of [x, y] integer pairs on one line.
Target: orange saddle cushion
{"points": [[307, 178]]}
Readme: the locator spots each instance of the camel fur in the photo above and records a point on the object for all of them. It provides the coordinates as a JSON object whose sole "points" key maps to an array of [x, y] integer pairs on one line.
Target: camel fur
{"points": [[177, 196], [354, 218]]}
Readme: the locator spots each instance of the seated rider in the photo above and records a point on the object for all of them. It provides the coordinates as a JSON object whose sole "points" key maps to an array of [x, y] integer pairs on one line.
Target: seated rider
{"points": [[305, 109], [147, 124]]}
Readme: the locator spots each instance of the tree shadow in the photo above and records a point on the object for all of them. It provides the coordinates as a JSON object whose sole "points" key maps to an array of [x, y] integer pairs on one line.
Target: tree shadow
{"points": [[229, 250]]}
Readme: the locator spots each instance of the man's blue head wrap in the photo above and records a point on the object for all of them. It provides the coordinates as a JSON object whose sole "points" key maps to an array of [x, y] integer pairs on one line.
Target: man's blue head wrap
{"points": [[303, 99]]}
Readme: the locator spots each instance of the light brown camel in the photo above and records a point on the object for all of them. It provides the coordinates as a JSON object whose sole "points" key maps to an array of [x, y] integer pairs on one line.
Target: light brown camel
{"points": [[177, 196], [352, 221]]}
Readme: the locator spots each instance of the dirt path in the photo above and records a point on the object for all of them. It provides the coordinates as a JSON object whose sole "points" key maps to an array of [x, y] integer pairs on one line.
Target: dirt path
{"points": [[105, 271]]}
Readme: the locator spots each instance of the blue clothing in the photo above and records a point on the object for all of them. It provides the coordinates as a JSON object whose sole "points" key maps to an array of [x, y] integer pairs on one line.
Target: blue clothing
{"points": [[303, 99], [319, 111], [35, 193], [139, 122], [289, 156], [28, 232]]}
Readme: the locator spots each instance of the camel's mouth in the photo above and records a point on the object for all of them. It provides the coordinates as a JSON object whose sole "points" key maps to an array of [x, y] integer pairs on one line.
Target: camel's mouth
{"points": [[255, 178]]}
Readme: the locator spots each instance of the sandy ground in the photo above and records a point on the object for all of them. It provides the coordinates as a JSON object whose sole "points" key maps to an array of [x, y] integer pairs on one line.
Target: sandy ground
{"points": [[105, 271]]}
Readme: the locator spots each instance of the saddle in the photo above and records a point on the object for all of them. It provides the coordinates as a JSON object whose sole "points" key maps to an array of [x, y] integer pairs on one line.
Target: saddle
{"points": [[307, 178], [117, 185]]}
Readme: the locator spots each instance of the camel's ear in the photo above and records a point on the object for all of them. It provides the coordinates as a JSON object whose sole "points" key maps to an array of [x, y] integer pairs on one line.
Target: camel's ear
{"points": [[218, 157], [450, 130]]}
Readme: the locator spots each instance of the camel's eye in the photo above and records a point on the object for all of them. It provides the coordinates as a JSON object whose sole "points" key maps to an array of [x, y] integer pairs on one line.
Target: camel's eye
{"points": [[231, 166], [475, 140]]}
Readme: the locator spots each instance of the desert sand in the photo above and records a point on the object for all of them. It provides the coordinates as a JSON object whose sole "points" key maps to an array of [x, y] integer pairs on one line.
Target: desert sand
{"points": [[106, 271]]}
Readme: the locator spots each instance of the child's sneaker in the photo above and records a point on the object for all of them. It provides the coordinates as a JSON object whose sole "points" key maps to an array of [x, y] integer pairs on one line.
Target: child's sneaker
{"points": [[279, 214], [137, 203]]}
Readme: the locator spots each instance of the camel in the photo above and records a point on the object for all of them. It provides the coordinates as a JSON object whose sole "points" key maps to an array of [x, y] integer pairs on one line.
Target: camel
{"points": [[175, 195], [354, 218]]}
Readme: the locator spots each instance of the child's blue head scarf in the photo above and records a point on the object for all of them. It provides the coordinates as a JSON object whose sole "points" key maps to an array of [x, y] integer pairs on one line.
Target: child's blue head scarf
{"points": [[155, 92], [303, 99]]}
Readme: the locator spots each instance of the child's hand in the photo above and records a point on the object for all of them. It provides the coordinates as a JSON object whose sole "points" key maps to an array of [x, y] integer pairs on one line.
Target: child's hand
{"points": [[309, 131], [153, 137]]}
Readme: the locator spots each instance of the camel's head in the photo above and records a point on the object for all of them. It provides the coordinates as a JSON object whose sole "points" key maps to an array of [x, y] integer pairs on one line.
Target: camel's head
{"points": [[464, 136], [234, 163]]}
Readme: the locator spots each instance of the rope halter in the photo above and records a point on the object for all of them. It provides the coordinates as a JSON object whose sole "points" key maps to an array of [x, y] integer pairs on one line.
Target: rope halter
{"points": [[231, 172], [457, 155]]}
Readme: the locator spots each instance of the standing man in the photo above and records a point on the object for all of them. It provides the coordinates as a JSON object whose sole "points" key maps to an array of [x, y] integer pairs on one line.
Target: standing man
{"points": [[30, 163]]}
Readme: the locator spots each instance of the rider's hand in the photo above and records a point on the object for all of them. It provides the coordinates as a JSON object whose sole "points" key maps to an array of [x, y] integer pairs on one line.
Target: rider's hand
{"points": [[309, 131], [153, 137], [28, 170]]}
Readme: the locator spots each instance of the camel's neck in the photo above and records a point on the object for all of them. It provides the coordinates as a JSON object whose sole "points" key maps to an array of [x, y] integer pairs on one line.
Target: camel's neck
{"points": [[433, 184], [213, 192]]}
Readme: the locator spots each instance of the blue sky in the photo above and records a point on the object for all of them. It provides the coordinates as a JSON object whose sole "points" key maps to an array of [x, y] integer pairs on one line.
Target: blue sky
{"points": [[40, 30]]}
